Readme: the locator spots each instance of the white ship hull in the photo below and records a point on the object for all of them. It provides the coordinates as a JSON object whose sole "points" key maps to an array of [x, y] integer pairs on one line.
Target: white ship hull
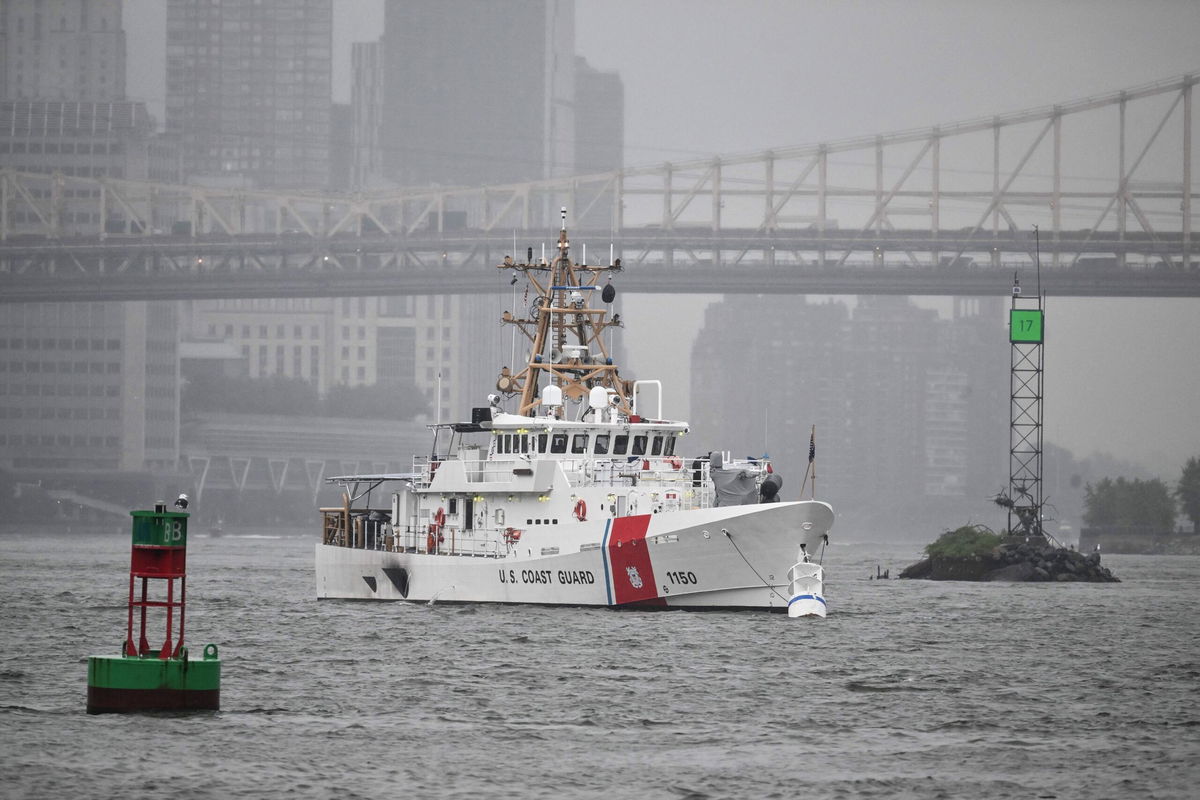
{"points": [[576, 496], [734, 557]]}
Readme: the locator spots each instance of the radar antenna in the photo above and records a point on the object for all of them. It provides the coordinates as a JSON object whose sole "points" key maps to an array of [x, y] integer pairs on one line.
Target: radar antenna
{"points": [[564, 327]]}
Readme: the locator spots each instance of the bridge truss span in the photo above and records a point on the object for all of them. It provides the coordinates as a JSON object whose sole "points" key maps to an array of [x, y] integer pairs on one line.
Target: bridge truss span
{"points": [[1107, 180]]}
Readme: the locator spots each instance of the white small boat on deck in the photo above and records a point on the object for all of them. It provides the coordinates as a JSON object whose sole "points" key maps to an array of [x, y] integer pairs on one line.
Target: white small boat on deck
{"points": [[578, 494]]}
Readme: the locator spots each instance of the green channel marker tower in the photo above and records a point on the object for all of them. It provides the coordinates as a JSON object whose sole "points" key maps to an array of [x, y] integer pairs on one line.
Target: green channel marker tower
{"points": [[149, 677], [1027, 335]]}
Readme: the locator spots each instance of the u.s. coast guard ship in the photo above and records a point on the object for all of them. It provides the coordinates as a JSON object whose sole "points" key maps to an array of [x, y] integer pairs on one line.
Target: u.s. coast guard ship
{"points": [[579, 495]]}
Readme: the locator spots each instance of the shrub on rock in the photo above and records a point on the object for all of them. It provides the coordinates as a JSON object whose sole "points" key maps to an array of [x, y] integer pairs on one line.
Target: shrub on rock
{"points": [[964, 542]]}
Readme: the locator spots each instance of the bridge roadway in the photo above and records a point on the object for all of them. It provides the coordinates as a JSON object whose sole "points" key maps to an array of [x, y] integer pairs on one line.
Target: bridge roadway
{"points": [[687, 260]]}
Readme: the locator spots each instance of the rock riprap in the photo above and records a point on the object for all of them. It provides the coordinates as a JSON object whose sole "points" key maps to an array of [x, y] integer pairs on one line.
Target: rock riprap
{"points": [[1015, 560]]}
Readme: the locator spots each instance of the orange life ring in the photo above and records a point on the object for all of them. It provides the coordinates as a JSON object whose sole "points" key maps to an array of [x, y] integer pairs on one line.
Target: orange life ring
{"points": [[581, 510], [512, 535], [439, 519]]}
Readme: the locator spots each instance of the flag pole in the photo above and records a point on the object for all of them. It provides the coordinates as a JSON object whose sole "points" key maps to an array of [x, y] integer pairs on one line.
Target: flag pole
{"points": [[812, 464], [812, 460]]}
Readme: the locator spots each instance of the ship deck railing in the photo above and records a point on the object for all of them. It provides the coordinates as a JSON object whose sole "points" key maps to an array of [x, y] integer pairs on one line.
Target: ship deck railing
{"points": [[355, 528]]}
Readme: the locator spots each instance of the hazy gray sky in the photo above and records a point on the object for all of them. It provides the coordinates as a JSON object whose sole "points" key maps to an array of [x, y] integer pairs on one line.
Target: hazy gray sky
{"points": [[704, 77]]}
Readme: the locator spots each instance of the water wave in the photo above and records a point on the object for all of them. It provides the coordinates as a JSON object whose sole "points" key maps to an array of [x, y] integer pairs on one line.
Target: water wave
{"points": [[907, 689]]}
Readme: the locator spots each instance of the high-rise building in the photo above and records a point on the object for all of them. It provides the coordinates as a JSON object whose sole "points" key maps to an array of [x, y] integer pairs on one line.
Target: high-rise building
{"points": [[467, 93], [979, 347], [84, 387], [477, 93], [436, 83], [62, 50], [249, 89], [88, 386], [63, 109], [341, 147], [399, 342], [758, 389], [599, 119], [599, 136], [440, 99], [890, 351], [909, 409], [366, 106], [83, 139]]}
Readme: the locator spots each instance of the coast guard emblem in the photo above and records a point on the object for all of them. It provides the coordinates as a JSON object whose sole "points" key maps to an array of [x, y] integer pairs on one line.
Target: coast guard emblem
{"points": [[634, 578]]}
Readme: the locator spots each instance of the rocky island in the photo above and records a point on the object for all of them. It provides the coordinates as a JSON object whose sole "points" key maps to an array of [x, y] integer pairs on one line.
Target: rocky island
{"points": [[975, 553]]}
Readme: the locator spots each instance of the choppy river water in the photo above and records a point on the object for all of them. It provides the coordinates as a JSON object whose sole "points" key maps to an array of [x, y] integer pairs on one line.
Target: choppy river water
{"points": [[908, 688]]}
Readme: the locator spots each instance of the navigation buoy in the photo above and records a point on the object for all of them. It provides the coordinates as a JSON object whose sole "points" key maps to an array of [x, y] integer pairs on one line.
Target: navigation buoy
{"points": [[148, 677]]}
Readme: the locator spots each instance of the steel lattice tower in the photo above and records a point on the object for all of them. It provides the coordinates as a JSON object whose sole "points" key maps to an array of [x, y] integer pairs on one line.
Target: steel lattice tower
{"points": [[1027, 336]]}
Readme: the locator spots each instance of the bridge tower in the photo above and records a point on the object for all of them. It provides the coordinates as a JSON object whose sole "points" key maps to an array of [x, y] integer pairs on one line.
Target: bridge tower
{"points": [[1026, 333]]}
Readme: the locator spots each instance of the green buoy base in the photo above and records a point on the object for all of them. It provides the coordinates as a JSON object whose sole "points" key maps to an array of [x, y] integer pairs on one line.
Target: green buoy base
{"points": [[119, 684]]}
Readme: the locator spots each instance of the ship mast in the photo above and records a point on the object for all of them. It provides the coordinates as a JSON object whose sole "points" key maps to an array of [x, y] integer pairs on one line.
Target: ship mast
{"points": [[565, 330]]}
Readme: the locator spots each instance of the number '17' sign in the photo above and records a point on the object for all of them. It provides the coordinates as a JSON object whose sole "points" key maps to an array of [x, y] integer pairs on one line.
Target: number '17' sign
{"points": [[1026, 325]]}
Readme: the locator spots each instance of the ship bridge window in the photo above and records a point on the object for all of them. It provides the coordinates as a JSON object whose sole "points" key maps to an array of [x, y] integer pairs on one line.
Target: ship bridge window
{"points": [[656, 446], [502, 444], [541, 443], [639, 445], [620, 444], [579, 444], [558, 443], [523, 441], [601, 444], [669, 448]]}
